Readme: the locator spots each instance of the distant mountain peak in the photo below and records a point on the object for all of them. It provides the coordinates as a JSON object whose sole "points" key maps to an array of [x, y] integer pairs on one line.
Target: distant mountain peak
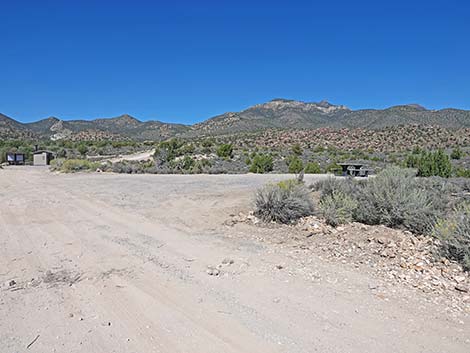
{"points": [[416, 106], [412, 106]]}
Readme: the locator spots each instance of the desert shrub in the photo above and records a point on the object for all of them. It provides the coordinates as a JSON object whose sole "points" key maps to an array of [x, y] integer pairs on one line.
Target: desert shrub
{"points": [[76, 165], [456, 153], [334, 168], [462, 172], [395, 199], [289, 184], [201, 166], [297, 149], [187, 149], [82, 149], [337, 208], [453, 233], [208, 142], [182, 164], [295, 164], [283, 205], [261, 163], [329, 185], [168, 150], [430, 164], [312, 168], [225, 150]]}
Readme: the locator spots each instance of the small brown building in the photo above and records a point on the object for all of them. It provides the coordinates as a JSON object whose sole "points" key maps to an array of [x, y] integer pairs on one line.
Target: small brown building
{"points": [[15, 158], [42, 157]]}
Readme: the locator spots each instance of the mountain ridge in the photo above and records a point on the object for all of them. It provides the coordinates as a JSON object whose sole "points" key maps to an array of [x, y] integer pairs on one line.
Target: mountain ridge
{"points": [[278, 113]]}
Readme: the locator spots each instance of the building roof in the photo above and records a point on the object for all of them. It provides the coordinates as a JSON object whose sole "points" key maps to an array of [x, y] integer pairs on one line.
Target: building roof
{"points": [[42, 151]]}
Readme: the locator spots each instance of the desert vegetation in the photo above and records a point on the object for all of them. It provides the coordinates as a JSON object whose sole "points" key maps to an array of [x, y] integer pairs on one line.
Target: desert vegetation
{"points": [[283, 202], [395, 198]]}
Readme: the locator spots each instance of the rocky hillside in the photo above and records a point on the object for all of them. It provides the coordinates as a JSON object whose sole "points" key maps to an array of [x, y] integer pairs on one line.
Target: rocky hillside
{"points": [[275, 114], [282, 114]]}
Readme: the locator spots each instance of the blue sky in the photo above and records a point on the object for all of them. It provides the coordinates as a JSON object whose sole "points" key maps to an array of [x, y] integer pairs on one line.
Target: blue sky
{"points": [[185, 61]]}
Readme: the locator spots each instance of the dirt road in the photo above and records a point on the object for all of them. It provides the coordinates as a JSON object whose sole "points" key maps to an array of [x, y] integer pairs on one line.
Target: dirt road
{"points": [[119, 263]]}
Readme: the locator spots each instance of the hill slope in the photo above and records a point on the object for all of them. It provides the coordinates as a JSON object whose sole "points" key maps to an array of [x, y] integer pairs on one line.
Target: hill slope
{"points": [[275, 114]]}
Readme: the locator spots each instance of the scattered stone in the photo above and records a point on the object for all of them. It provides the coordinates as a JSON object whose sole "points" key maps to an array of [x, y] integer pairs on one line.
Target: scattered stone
{"points": [[212, 271], [462, 288], [459, 279], [391, 256], [12, 283], [227, 261]]}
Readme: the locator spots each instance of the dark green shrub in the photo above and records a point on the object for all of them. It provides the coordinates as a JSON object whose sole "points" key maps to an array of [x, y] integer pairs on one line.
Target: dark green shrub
{"points": [[225, 150], [312, 168], [283, 204], [82, 149], [462, 173], [201, 166], [297, 149], [261, 163], [334, 168], [456, 153], [453, 233], [170, 149], [295, 165], [434, 164]]}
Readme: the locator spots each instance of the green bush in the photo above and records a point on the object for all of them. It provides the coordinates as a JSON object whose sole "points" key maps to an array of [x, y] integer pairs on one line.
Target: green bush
{"points": [[261, 163], [201, 166], [225, 150], [82, 149], [434, 164], [297, 149], [283, 204], [295, 165], [454, 236], [312, 168], [337, 208], [334, 168], [456, 153], [170, 149], [462, 172]]}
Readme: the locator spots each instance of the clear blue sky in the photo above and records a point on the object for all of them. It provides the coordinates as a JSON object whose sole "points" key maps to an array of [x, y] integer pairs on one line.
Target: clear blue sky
{"points": [[184, 61]]}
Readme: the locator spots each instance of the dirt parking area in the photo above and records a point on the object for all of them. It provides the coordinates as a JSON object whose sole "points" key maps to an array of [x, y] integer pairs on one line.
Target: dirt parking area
{"points": [[105, 263]]}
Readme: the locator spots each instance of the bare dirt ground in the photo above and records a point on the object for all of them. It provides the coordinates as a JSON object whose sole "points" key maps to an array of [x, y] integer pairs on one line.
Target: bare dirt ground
{"points": [[140, 156], [146, 263]]}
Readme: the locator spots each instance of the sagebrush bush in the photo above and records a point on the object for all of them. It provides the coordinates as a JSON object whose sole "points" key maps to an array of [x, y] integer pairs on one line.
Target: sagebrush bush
{"points": [[331, 184], [395, 199], [283, 204], [337, 208], [75, 165], [454, 235]]}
